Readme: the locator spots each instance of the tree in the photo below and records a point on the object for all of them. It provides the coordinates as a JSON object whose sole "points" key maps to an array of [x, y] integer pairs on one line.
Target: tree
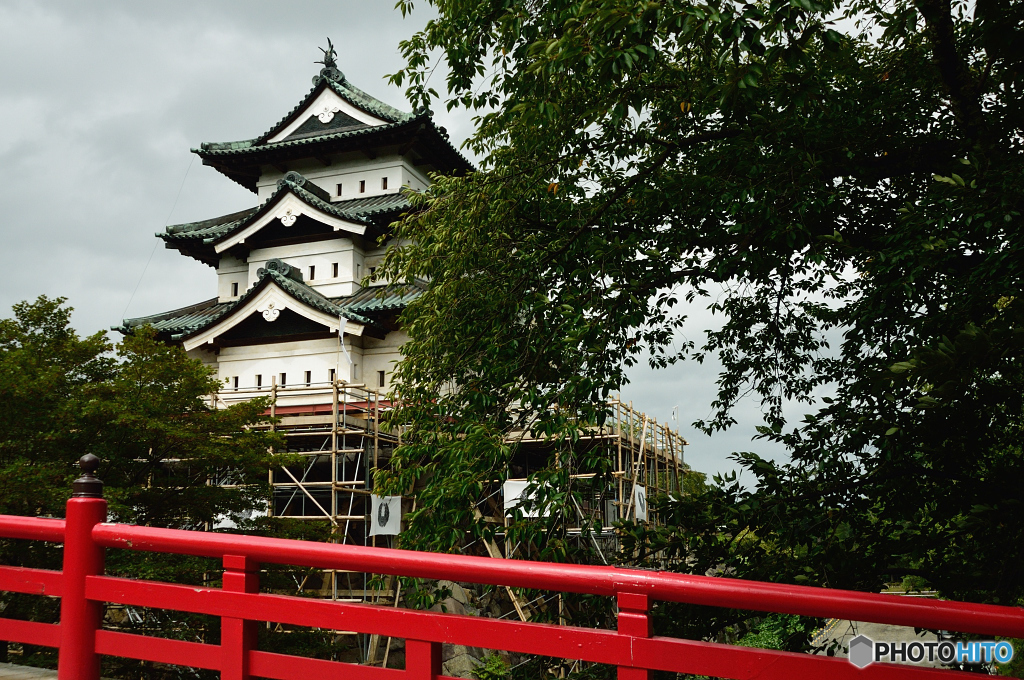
{"points": [[840, 183], [143, 408]]}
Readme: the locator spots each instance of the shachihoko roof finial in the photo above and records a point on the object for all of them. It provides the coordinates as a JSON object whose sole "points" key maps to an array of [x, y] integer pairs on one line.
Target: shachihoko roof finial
{"points": [[330, 69]]}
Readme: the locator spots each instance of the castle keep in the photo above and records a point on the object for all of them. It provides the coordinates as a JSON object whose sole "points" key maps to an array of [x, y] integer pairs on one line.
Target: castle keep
{"points": [[292, 317]]}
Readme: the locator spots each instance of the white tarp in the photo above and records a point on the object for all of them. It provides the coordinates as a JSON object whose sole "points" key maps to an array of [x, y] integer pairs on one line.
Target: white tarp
{"points": [[385, 515], [640, 502], [515, 494]]}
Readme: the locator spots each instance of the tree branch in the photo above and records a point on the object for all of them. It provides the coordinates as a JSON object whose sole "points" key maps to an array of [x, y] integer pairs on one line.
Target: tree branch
{"points": [[959, 84]]}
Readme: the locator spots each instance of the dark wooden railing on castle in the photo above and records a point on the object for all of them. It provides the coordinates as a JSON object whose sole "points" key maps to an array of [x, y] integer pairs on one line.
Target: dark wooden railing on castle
{"points": [[84, 589]]}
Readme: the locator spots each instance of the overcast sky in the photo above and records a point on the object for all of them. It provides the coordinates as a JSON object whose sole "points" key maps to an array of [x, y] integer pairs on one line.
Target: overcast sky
{"points": [[100, 104]]}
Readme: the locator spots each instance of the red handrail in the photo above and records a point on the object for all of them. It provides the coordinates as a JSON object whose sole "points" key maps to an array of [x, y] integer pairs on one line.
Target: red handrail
{"points": [[633, 648], [38, 529], [595, 580]]}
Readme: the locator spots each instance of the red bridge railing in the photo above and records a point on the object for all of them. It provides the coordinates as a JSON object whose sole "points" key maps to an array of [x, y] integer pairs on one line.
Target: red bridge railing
{"points": [[83, 589]]}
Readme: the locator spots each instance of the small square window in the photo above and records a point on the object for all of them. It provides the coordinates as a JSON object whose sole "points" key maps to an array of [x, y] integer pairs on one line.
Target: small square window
{"points": [[359, 270], [362, 186], [373, 270], [380, 378], [334, 270], [234, 382], [284, 379], [234, 290], [259, 381], [339, 190], [312, 272], [384, 183], [332, 375], [309, 378]]}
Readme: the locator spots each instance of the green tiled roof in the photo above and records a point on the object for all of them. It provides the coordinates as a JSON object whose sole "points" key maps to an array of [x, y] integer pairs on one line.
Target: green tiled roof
{"points": [[358, 210], [215, 149], [350, 93], [181, 323], [347, 90], [353, 95], [183, 320], [304, 293], [212, 227], [381, 298], [373, 206], [244, 160]]}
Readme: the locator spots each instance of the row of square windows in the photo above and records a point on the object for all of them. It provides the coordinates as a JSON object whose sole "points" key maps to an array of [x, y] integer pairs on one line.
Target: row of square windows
{"points": [[362, 185], [311, 270], [282, 380]]}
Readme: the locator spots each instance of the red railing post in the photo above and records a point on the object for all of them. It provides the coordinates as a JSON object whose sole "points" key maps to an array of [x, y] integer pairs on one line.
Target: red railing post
{"points": [[238, 636], [80, 618], [422, 659], [634, 621]]}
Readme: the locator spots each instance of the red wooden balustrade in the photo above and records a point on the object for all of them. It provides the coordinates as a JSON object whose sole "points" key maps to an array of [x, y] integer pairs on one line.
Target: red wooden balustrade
{"points": [[633, 648]]}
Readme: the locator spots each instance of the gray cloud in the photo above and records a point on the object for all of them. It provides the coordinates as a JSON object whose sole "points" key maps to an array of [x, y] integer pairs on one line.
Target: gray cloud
{"points": [[100, 103]]}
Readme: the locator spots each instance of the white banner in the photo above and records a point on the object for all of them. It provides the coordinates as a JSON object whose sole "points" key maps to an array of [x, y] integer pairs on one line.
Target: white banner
{"points": [[385, 515], [640, 502], [515, 494], [344, 349]]}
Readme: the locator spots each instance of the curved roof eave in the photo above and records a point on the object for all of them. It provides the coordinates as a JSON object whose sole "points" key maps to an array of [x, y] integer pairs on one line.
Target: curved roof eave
{"points": [[217, 229], [241, 160], [294, 289]]}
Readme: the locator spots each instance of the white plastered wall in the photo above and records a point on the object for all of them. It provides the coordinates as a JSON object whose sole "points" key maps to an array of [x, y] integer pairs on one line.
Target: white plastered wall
{"points": [[381, 355], [231, 270], [208, 357], [373, 259], [293, 359], [349, 171], [322, 255]]}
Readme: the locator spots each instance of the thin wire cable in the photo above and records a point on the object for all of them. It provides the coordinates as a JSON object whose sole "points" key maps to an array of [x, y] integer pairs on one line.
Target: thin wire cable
{"points": [[167, 221]]}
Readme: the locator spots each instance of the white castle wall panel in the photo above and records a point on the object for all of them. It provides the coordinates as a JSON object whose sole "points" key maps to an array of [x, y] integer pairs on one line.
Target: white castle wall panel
{"points": [[322, 255], [348, 172], [291, 358]]}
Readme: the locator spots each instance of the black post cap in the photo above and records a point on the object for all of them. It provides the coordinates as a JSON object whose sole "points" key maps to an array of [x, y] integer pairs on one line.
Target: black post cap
{"points": [[88, 485]]}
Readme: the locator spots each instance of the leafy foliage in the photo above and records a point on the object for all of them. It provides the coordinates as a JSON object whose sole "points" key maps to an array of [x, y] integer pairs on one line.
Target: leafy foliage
{"points": [[144, 409], [493, 668], [778, 631], [840, 183]]}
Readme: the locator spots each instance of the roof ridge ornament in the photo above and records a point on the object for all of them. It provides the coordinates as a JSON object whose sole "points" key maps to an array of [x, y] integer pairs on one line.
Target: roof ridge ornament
{"points": [[282, 268], [298, 180], [330, 70], [294, 177]]}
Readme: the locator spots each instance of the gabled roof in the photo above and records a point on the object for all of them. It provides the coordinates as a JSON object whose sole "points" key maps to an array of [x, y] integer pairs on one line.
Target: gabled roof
{"points": [[189, 322], [340, 86], [207, 239], [304, 293], [361, 307], [302, 135]]}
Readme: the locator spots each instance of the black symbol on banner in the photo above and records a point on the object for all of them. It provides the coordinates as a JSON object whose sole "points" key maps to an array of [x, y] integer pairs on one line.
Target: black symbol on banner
{"points": [[641, 501], [383, 513]]}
